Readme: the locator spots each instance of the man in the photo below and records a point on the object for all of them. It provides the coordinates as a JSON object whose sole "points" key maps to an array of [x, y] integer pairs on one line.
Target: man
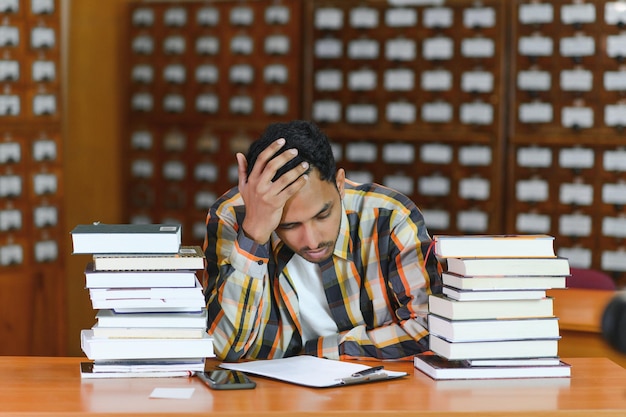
{"points": [[300, 260]]}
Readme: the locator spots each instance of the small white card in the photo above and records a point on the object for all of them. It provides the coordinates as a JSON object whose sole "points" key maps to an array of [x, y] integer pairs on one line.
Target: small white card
{"points": [[436, 80], [615, 80], [576, 158], [438, 48], [401, 17], [478, 47], [479, 17], [614, 160], [614, 227], [615, 115], [575, 225], [532, 223], [581, 117], [475, 155], [400, 112], [573, 193], [438, 17], [576, 80], [576, 46], [472, 221], [535, 45], [328, 18], [534, 80], [535, 113], [364, 17], [399, 80], [532, 190], [536, 13], [173, 393], [578, 13], [474, 188], [437, 112]]}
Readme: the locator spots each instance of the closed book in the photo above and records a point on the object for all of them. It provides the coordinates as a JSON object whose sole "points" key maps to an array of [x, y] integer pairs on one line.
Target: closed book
{"points": [[547, 361], [97, 348], [489, 309], [138, 279], [87, 372], [146, 292], [149, 332], [126, 238], [149, 365], [150, 304], [441, 369], [109, 318], [188, 257], [471, 295], [500, 349], [491, 330], [509, 266], [494, 246], [479, 282]]}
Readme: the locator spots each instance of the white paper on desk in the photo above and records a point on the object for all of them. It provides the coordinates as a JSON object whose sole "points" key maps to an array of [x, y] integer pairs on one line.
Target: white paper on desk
{"points": [[305, 370]]}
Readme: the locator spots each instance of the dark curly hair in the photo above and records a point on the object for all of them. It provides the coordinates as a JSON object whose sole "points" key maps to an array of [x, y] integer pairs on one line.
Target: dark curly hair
{"points": [[312, 144]]}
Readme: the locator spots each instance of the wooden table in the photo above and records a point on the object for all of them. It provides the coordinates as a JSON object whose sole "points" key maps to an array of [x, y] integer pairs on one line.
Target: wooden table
{"points": [[42, 386], [580, 314]]}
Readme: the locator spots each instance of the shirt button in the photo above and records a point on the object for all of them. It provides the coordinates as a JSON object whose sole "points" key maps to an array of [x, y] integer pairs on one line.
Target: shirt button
{"points": [[259, 263]]}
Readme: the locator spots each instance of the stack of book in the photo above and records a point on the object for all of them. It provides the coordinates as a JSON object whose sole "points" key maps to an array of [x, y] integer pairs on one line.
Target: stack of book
{"points": [[494, 319], [151, 314]]}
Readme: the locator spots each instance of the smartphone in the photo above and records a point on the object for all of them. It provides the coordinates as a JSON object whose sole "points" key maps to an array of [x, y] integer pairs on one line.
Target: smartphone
{"points": [[226, 379]]}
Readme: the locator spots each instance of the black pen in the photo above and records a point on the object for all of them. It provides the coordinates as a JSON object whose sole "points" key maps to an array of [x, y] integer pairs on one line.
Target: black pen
{"points": [[367, 371]]}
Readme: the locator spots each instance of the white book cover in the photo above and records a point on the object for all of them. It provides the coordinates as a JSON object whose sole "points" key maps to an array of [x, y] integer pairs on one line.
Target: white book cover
{"points": [[441, 369], [501, 349], [96, 348], [489, 309], [493, 330], [109, 318], [139, 279], [188, 257], [494, 246], [151, 293], [126, 238]]}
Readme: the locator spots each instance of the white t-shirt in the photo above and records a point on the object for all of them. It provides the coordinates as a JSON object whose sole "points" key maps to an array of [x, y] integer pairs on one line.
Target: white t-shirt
{"points": [[315, 314]]}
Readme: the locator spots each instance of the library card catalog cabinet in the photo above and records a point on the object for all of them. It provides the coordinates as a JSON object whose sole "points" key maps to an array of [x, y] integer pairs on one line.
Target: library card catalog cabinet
{"points": [[31, 179], [493, 116]]}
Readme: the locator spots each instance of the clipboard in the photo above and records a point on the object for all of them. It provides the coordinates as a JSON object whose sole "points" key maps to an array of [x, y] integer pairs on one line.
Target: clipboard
{"points": [[311, 371]]}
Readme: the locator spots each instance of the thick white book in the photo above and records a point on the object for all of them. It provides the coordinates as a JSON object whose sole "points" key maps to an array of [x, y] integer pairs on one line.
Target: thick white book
{"points": [[146, 292], [126, 238], [492, 330], [87, 372], [471, 295], [139, 279], [489, 309], [187, 257], [502, 282], [499, 349], [150, 304], [509, 266], [109, 318], [440, 368], [149, 365], [494, 246], [97, 348], [149, 332], [516, 362]]}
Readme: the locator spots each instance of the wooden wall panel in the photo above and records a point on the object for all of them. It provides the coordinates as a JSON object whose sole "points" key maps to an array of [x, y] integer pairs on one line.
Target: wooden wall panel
{"points": [[92, 139]]}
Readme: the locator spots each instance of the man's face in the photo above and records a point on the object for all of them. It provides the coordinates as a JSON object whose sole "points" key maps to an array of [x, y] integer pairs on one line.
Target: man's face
{"points": [[311, 218]]}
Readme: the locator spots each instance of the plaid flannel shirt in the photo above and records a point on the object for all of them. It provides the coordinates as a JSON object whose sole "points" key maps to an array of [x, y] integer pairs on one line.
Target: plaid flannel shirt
{"points": [[377, 282]]}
